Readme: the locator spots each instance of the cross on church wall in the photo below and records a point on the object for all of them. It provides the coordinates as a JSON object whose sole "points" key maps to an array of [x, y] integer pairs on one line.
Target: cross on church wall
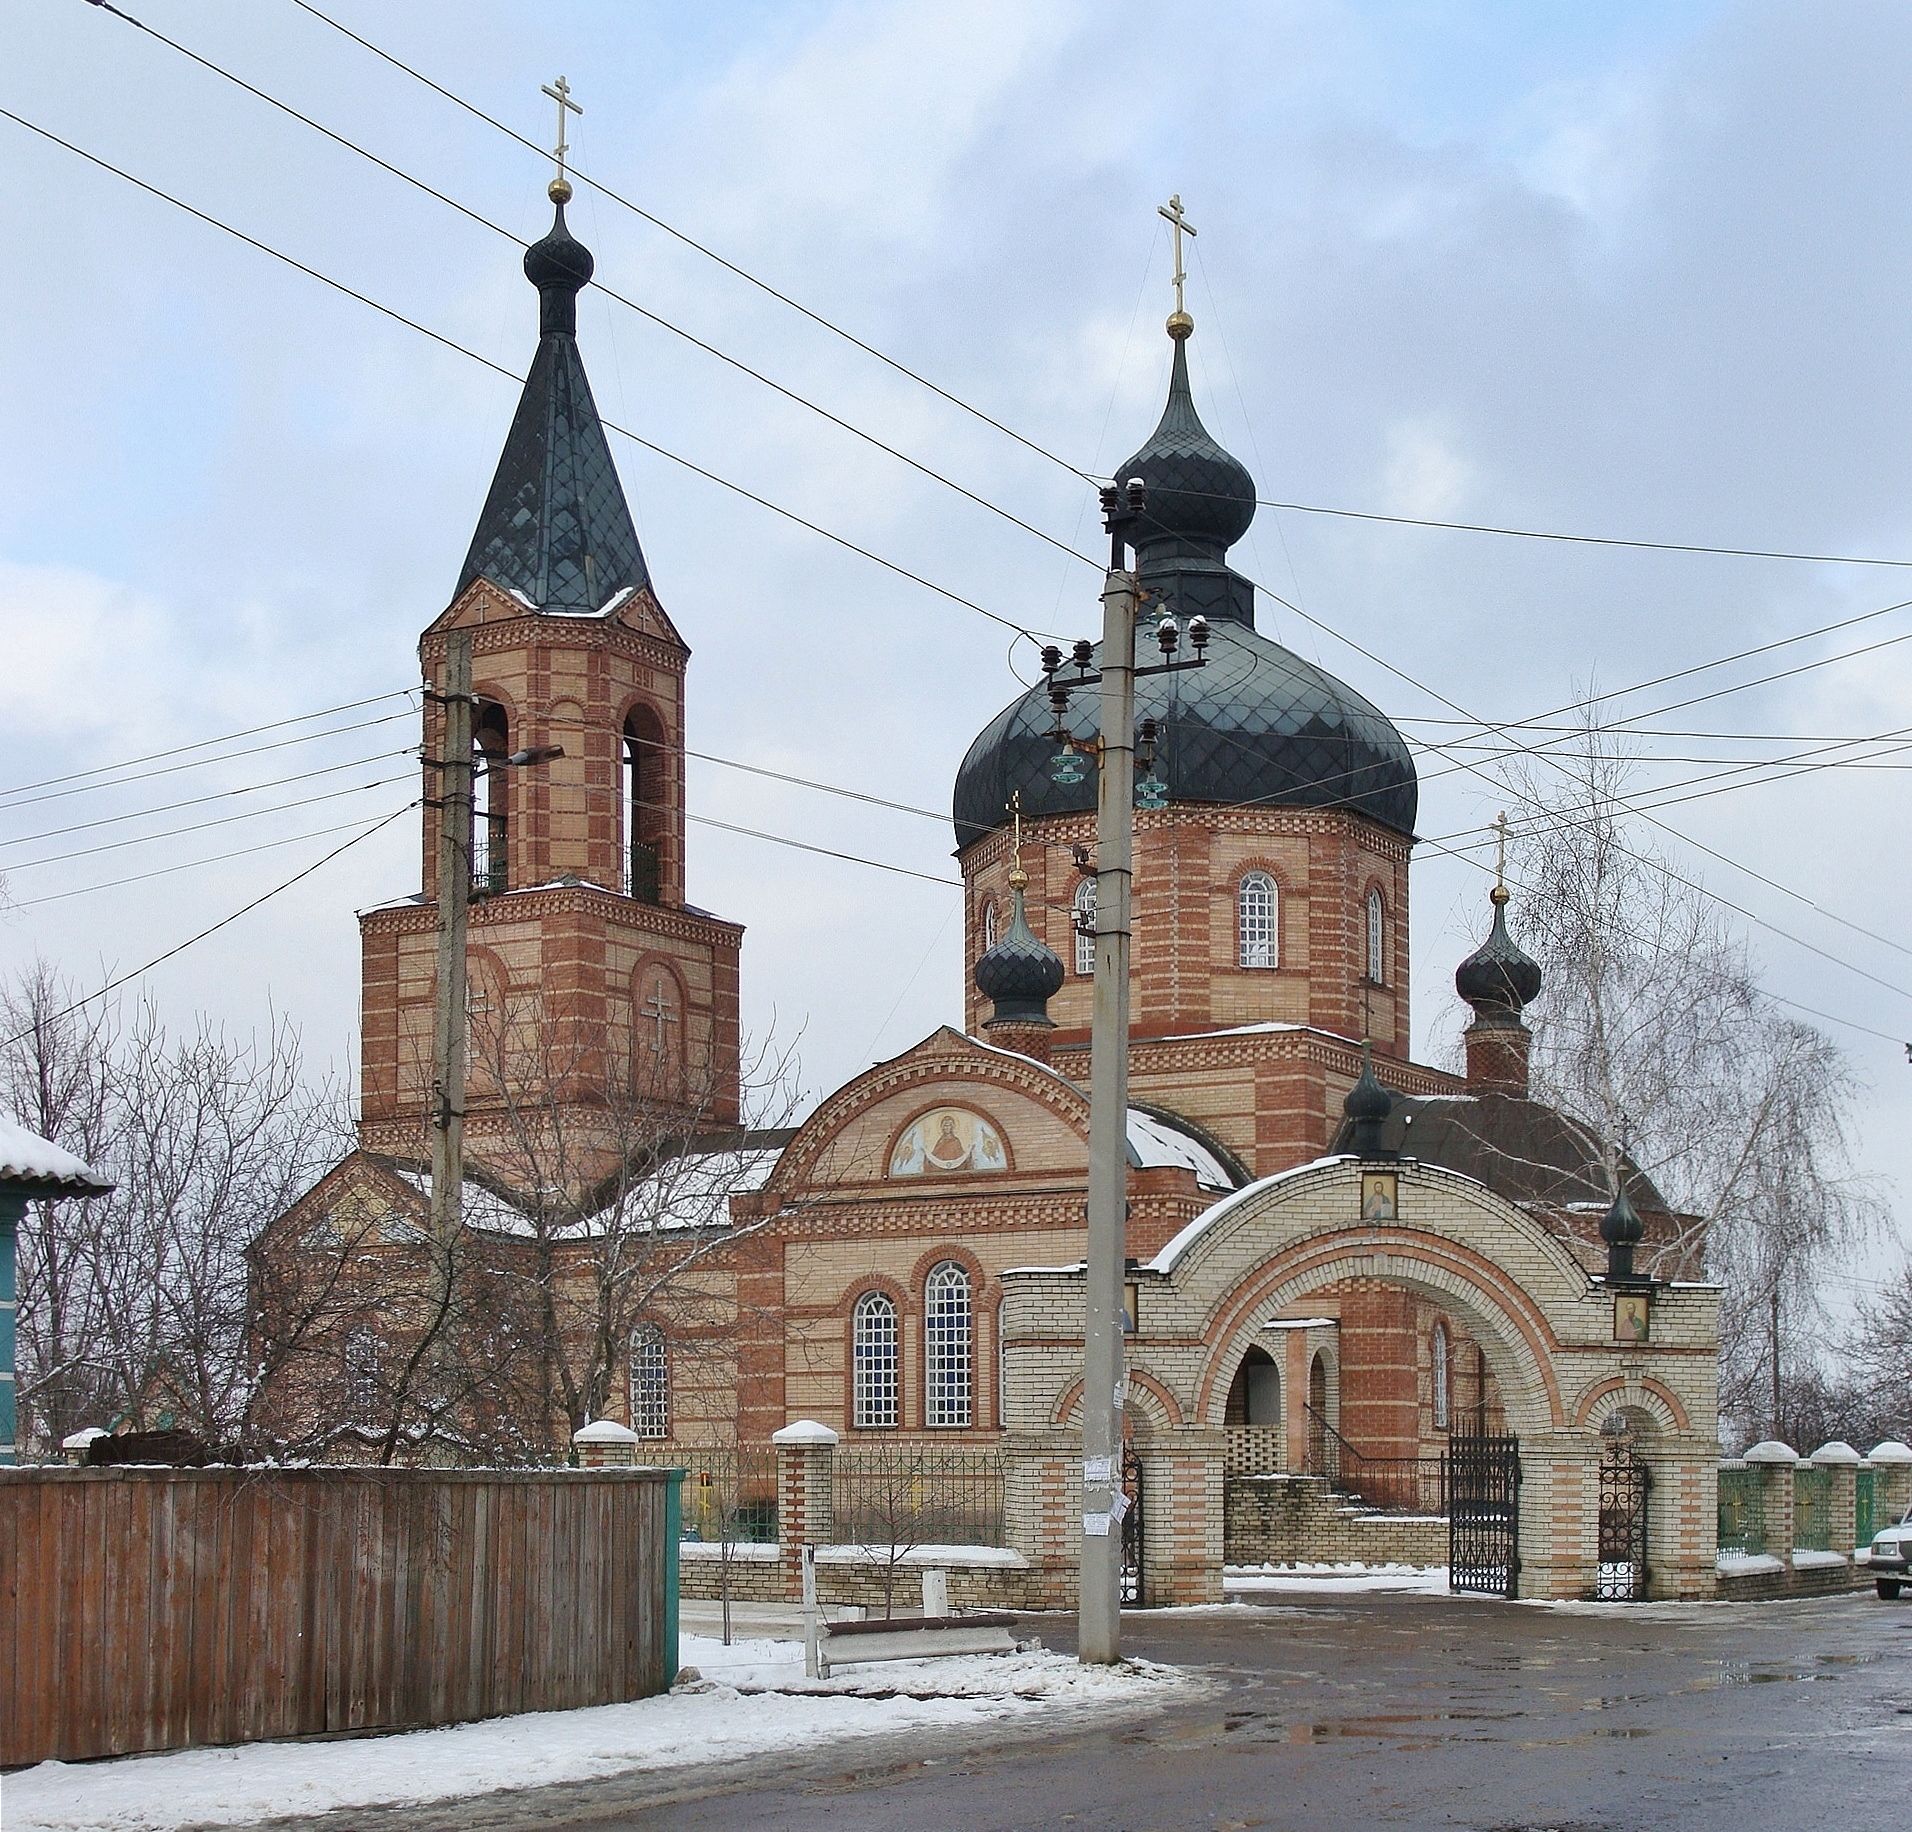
{"points": [[658, 1009]]}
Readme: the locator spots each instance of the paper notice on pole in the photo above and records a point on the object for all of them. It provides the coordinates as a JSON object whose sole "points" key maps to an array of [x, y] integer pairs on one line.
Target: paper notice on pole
{"points": [[1118, 1507], [1096, 1526], [1097, 1469], [1121, 1393]]}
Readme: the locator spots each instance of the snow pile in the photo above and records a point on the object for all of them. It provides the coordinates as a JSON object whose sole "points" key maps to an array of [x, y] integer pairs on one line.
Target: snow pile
{"points": [[752, 1699], [1256, 1580]]}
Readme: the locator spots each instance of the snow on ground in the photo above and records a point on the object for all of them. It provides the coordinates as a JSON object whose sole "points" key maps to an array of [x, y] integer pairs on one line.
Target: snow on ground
{"points": [[1320, 1580], [752, 1699]]}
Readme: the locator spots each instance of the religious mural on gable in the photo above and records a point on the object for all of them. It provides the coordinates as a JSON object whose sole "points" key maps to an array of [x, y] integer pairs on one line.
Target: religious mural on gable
{"points": [[946, 1140]]}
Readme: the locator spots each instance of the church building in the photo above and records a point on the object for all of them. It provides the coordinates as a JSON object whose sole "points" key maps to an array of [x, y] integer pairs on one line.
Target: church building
{"points": [[1339, 1259]]}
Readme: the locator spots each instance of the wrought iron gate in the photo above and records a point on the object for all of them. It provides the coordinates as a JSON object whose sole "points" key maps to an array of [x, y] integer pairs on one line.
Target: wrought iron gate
{"points": [[1483, 1515], [1624, 1482], [1132, 1529]]}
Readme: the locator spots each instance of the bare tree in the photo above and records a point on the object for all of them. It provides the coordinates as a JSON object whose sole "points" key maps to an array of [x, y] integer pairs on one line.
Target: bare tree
{"points": [[1653, 1029]]}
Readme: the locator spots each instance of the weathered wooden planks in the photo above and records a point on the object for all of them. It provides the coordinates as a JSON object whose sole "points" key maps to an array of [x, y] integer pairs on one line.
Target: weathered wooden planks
{"points": [[156, 1608]]}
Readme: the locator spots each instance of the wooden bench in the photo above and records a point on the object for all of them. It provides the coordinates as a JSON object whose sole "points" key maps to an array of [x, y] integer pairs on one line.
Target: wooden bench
{"points": [[926, 1637]]}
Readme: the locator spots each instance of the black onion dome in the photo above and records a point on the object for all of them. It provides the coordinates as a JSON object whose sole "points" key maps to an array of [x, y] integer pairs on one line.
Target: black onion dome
{"points": [[1258, 726], [1200, 497], [1365, 1111], [1020, 973], [560, 267], [1497, 979]]}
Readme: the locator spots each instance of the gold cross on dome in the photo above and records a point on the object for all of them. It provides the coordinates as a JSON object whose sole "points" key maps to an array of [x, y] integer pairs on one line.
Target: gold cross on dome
{"points": [[562, 96], [1181, 227], [1016, 878], [1500, 851]]}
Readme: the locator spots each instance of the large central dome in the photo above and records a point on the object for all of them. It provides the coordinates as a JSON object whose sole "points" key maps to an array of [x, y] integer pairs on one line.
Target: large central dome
{"points": [[1257, 726]]}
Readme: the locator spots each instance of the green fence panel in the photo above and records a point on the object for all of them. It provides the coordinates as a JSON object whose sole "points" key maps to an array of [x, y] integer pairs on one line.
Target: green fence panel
{"points": [[1812, 1510], [1742, 1523], [1864, 1492]]}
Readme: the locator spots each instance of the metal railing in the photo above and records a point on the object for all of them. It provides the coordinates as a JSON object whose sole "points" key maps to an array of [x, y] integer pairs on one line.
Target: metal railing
{"points": [[490, 854], [1742, 1513], [1812, 1510], [1395, 1485], [643, 876], [918, 1495], [1865, 1494], [729, 1494]]}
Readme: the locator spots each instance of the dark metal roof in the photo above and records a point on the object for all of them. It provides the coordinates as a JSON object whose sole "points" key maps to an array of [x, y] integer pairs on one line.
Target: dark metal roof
{"points": [[1498, 979], [1257, 725], [1200, 497], [556, 528], [1020, 973]]}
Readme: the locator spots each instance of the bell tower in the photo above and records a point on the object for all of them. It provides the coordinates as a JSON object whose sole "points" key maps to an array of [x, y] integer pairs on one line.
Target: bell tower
{"points": [[602, 1008]]}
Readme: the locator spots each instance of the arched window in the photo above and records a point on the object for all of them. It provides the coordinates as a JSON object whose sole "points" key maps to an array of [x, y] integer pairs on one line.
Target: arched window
{"points": [[363, 1354], [650, 1383], [946, 1346], [1257, 913], [490, 745], [646, 803], [989, 925], [873, 1357], [1441, 1359], [1377, 954], [1084, 909]]}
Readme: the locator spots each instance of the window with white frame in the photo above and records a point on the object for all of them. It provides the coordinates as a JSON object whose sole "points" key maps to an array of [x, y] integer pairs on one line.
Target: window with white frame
{"points": [[989, 925], [363, 1354], [946, 1347], [1258, 920], [650, 1383], [1377, 953], [1085, 919], [873, 1362], [1441, 1359]]}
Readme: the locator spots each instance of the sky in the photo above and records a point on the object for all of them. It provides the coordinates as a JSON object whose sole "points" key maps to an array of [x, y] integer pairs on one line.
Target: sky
{"points": [[1630, 270]]}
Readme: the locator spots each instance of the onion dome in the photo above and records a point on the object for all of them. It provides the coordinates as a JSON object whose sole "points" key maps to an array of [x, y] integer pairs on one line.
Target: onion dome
{"points": [[1497, 979], [1020, 973], [1366, 1111], [1258, 727], [556, 531], [1622, 1229]]}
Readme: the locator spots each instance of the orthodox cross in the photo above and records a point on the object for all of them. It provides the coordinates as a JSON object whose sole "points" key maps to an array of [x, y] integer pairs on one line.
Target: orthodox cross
{"points": [[658, 1010], [1500, 851], [562, 96], [1016, 877], [1181, 227]]}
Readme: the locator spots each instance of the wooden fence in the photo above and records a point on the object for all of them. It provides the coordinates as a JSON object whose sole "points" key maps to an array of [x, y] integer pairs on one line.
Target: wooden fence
{"points": [[158, 1608]]}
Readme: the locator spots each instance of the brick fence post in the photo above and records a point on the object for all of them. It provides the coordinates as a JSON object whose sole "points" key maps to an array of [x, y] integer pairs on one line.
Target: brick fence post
{"points": [[1776, 1462], [605, 1445], [1842, 1461], [1893, 1461], [806, 1496]]}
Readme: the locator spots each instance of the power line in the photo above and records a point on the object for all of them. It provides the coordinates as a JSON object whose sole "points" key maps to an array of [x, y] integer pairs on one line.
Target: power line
{"points": [[450, 343], [212, 929], [789, 394], [251, 731]]}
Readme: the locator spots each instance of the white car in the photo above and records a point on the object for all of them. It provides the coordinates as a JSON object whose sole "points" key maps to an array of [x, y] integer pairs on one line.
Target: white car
{"points": [[1891, 1548]]}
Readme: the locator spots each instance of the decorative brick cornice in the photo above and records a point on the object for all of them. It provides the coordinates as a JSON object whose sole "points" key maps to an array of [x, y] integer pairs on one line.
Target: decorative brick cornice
{"points": [[551, 900]]}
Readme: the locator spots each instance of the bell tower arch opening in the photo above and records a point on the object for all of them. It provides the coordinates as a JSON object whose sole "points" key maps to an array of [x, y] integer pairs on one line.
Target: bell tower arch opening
{"points": [[647, 788]]}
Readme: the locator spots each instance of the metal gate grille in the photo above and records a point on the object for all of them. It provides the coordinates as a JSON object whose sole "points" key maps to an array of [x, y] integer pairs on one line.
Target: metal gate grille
{"points": [[1132, 1530], [1483, 1515], [1624, 1481]]}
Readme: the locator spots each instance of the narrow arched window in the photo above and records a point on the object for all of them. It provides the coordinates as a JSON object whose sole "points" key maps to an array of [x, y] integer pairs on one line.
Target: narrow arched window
{"points": [[1442, 1358], [946, 1346], [363, 1355], [989, 925], [646, 804], [1377, 954], [1257, 920], [873, 1358], [490, 832], [650, 1383], [1084, 911]]}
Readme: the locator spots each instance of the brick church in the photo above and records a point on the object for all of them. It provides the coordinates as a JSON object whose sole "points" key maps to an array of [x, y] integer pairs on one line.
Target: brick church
{"points": [[897, 1266]]}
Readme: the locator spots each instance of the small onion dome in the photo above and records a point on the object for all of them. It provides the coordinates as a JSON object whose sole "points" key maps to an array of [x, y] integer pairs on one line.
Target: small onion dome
{"points": [[560, 267], [1497, 979], [1622, 1229], [1366, 1109], [1020, 973]]}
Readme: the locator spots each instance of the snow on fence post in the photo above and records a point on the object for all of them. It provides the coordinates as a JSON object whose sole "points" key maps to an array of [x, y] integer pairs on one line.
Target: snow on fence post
{"points": [[605, 1445], [1893, 1462], [1775, 1463], [806, 1496], [1841, 1462]]}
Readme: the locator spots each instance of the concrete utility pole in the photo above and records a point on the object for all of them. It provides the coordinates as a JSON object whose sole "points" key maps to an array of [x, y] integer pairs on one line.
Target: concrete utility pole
{"points": [[454, 765], [1099, 1632]]}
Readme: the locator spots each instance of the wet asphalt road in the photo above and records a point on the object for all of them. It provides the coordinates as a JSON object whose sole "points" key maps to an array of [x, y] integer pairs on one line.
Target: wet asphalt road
{"points": [[1372, 1711]]}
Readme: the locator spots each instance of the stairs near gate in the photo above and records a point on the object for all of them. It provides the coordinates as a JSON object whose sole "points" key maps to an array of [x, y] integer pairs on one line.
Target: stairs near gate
{"points": [[1289, 1519]]}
